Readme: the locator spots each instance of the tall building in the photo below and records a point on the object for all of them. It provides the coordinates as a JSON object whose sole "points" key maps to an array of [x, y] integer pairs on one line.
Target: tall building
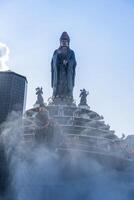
{"points": [[13, 88]]}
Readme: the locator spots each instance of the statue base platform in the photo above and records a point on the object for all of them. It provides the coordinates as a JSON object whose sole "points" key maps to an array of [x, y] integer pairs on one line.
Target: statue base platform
{"points": [[78, 129], [62, 101]]}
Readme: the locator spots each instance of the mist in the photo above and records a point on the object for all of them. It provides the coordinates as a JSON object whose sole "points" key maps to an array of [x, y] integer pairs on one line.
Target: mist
{"points": [[37, 172]]}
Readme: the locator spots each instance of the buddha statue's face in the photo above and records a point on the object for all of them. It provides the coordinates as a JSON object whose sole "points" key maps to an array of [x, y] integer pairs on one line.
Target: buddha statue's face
{"points": [[64, 43]]}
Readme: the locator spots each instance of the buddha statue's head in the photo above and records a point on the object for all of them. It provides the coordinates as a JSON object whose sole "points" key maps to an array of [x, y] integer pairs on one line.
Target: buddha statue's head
{"points": [[64, 40]]}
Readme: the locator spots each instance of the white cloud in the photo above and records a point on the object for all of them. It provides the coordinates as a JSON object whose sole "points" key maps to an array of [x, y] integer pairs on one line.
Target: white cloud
{"points": [[4, 55]]}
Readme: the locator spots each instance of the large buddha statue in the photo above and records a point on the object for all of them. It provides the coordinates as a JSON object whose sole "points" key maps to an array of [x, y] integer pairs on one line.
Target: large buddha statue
{"points": [[63, 69]]}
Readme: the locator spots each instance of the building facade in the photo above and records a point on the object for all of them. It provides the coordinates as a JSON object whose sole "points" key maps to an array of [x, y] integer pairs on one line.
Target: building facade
{"points": [[13, 89]]}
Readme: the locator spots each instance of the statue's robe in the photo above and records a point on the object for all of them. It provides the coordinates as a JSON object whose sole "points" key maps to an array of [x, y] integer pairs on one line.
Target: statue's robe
{"points": [[63, 76]]}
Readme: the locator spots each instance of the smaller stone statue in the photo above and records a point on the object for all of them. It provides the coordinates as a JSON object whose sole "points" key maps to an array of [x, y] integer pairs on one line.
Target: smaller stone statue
{"points": [[39, 93], [123, 136], [83, 97]]}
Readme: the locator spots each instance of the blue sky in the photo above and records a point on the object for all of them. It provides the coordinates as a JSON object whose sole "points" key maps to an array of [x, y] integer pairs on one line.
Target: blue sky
{"points": [[102, 36]]}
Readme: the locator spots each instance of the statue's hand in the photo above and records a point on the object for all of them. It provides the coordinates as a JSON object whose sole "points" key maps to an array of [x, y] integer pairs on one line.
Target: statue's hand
{"points": [[65, 62]]}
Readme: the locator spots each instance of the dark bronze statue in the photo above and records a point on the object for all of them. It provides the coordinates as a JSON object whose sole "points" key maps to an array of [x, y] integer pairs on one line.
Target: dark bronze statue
{"points": [[83, 96], [63, 69], [39, 93]]}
